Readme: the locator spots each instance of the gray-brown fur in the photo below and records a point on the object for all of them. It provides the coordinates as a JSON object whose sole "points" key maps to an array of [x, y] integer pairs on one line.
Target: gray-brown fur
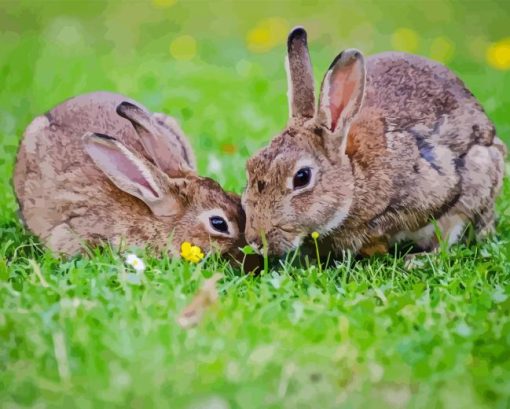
{"points": [[69, 202], [420, 148]]}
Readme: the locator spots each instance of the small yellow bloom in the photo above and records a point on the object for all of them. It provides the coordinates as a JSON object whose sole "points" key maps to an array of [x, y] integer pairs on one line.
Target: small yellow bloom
{"points": [[315, 235], [191, 253], [498, 54]]}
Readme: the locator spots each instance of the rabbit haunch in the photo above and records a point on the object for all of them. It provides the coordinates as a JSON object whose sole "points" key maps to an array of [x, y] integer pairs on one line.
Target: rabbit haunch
{"points": [[101, 168], [396, 141]]}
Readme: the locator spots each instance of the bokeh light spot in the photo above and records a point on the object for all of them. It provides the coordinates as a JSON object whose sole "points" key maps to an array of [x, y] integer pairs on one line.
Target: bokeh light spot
{"points": [[244, 68], [267, 34], [405, 39], [65, 32], [183, 48], [229, 148], [442, 49], [498, 54]]}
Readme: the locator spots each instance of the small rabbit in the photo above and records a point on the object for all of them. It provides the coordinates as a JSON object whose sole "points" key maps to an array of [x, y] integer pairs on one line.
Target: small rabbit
{"points": [[100, 168], [395, 143]]}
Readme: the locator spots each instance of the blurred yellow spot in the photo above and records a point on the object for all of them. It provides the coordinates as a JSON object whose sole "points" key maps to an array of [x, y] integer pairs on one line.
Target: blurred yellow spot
{"points": [[163, 3], [405, 39], [229, 148], [183, 48], [267, 34], [442, 49], [498, 54], [315, 235]]}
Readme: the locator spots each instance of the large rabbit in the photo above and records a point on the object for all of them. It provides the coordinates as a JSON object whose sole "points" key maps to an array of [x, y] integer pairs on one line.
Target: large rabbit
{"points": [[100, 168], [395, 143]]}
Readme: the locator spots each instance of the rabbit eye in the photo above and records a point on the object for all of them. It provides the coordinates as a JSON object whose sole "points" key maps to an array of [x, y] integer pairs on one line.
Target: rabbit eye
{"points": [[302, 178], [219, 224]]}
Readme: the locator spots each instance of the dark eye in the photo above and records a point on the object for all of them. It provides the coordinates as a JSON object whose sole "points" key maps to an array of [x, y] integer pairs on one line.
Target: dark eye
{"points": [[219, 224], [302, 178]]}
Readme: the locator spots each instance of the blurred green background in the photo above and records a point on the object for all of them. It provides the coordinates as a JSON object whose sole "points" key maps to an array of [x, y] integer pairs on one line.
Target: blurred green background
{"points": [[218, 66], [369, 333]]}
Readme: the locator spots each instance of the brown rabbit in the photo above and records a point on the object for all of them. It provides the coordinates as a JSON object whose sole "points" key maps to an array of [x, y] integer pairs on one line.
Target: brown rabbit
{"points": [[395, 143], [100, 168]]}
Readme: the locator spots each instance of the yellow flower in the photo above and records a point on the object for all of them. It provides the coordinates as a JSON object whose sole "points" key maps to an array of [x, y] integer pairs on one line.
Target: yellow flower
{"points": [[267, 34], [315, 235], [498, 54], [191, 253]]}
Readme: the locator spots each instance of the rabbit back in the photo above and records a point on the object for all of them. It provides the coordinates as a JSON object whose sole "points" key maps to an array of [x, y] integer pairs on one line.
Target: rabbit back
{"points": [[423, 96], [432, 151], [59, 189]]}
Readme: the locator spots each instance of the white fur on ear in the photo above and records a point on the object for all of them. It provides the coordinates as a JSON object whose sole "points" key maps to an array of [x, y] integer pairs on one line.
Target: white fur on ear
{"points": [[290, 91], [324, 102]]}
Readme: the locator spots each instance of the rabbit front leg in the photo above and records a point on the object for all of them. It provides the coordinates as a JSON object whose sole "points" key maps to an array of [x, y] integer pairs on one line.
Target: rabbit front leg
{"points": [[451, 228]]}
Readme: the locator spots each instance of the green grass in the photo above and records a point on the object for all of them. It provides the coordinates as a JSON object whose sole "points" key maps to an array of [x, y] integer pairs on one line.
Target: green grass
{"points": [[361, 334]]}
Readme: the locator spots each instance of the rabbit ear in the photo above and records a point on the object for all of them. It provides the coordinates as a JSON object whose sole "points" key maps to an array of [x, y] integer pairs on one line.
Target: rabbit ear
{"points": [[155, 140], [128, 172], [299, 75], [342, 92]]}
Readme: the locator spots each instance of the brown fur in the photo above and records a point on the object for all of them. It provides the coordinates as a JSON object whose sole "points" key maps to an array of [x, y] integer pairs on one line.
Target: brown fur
{"points": [[418, 147], [68, 202]]}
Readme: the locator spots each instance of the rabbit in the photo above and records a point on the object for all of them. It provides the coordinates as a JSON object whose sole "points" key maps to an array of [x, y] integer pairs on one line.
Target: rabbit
{"points": [[397, 146], [100, 168]]}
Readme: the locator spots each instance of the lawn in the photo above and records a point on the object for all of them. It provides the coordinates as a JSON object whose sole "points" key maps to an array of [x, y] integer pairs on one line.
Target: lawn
{"points": [[360, 334]]}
